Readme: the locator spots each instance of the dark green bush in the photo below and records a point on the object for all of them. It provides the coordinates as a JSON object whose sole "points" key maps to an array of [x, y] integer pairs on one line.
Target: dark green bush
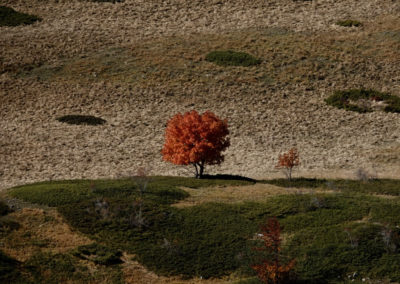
{"points": [[81, 119], [10, 17], [232, 58], [4, 209], [349, 23], [342, 99]]}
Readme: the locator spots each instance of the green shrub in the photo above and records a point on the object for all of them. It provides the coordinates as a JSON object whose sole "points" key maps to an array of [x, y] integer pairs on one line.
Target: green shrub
{"points": [[81, 119], [349, 23], [346, 100], [10, 17], [232, 58]]}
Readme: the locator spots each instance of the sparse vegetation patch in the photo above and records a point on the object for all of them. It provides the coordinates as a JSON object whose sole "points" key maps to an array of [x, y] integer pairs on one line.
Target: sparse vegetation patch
{"points": [[232, 58], [81, 119], [110, 1], [349, 23], [362, 101], [10, 17], [98, 254]]}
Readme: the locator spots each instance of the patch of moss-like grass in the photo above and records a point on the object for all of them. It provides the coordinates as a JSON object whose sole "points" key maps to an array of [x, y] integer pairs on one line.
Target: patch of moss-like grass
{"points": [[349, 23], [232, 58], [330, 235], [348, 100], [11, 18], [81, 119]]}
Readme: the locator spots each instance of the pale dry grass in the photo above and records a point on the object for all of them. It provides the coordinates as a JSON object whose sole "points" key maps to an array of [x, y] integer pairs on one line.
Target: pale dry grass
{"points": [[40, 230], [137, 63], [235, 194]]}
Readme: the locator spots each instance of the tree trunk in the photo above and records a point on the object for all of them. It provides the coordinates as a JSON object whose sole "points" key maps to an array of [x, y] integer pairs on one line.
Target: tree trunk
{"points": [[201, 165], [199, 169]]}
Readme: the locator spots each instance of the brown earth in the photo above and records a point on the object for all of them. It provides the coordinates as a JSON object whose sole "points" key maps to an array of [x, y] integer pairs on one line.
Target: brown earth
{"points": [[137, 63]]}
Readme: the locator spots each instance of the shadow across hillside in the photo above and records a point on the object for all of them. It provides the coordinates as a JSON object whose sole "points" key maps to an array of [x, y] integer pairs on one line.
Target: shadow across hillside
{"points": [[229, 177]]}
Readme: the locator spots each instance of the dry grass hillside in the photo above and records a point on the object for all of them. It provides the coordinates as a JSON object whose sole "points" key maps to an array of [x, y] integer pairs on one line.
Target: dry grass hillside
{"points": [[137, 63]]}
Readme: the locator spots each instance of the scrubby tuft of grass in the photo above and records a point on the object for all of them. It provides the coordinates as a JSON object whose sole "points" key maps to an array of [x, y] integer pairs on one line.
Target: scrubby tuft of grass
{"points": [[349, 100], [99, 254], [232, 58], [10, 17], [81, 119], [349, 23]]}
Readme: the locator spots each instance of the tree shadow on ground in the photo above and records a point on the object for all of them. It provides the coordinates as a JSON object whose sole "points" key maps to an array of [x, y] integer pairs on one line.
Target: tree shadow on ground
{"points": [[229, 177]]}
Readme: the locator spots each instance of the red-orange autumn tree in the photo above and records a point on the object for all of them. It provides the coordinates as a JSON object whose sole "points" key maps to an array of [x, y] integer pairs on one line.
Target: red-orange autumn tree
{"points": [[271, 269], [288, 161], [195, 139]]}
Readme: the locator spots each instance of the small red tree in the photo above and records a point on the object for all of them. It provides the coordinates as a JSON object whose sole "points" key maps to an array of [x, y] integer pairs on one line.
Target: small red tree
{"points": [[272, 270], [195, 139], [288, 161]]}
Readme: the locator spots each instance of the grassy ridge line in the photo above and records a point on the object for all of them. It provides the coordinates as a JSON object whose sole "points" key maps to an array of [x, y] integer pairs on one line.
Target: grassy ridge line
{"points": [[56, 193]]}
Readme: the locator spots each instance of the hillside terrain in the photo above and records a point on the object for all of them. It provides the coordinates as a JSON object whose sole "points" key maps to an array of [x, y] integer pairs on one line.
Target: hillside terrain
{"points": [[187, 230], [136, 63]]}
